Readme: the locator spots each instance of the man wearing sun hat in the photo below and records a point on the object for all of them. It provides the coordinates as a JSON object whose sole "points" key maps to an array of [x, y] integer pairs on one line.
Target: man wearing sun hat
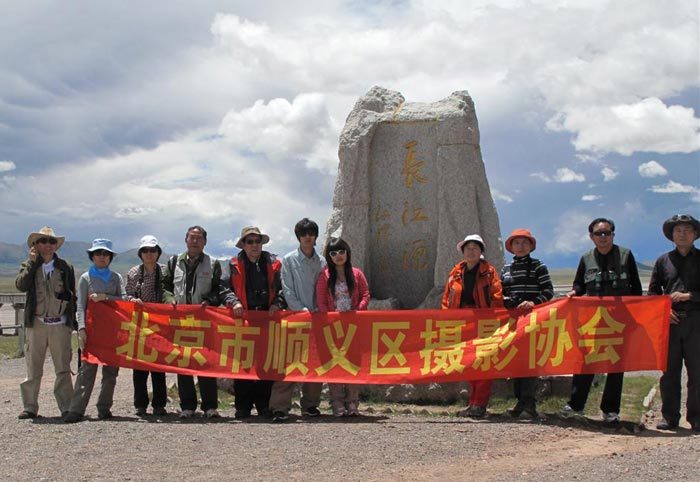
{"points": [[49, 316], [254, 280], [677, 273], [526, 283]]}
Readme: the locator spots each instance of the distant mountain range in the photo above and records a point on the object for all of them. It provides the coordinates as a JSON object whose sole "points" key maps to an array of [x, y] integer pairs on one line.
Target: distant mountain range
{"points": [[12, 255]]}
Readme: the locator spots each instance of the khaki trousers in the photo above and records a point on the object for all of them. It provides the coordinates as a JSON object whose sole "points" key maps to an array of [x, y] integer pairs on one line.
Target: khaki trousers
{"points": [[281, 398], [84, 384], [57, 338]]}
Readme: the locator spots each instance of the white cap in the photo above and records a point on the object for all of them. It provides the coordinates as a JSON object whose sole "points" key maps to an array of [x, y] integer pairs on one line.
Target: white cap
{"points": [[148, 241], [472, 237]]}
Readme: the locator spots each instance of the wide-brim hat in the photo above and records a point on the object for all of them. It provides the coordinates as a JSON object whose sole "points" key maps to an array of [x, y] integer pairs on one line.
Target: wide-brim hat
{"points": [[472, 237], [520, 233], [248, 230], [677, 219], [101, 243], [45, 232]]}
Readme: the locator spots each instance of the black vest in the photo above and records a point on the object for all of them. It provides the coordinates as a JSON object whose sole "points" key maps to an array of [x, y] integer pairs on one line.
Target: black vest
{"points": [[612, 282]]}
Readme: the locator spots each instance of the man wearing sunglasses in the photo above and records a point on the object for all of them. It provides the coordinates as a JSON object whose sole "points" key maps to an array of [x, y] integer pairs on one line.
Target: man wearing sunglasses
{"points": [[300, 270], [606, 270], [49, 318], [677, 273], [254, 283]]}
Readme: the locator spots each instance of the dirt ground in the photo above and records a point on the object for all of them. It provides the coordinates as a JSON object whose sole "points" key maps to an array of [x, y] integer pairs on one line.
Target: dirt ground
{"points": [[373, 447]]}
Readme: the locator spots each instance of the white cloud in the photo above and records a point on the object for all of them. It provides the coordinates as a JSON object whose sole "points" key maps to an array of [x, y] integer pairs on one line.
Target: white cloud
{"points": [[228, 243], [648, 125], [652, 169], [7, 166], [673, 187], [563, 174], [570, 234], [590, 197], [609, 174], [499, 196]]}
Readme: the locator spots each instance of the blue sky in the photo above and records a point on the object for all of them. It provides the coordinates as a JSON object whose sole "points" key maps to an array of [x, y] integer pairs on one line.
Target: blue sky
{"points": [[119, 119]]}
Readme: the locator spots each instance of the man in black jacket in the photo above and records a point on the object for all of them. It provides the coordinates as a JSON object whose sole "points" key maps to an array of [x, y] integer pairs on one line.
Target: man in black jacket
{"points": [[606, 270], [49, 316], [677, 273]]}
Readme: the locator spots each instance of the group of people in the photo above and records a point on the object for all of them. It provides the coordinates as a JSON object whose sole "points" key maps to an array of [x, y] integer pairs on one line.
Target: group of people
{"points": [[303, 280]]}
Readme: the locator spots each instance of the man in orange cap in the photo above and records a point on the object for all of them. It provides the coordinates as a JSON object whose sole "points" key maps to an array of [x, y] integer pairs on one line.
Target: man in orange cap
{"points": [[526, 283]]}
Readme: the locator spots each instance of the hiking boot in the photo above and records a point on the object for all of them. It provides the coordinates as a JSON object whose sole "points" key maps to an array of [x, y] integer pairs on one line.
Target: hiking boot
{"points": [[104, 414], [666, 425], [187, 414], [160, 412], [279, 417], [72, 417], [25, 415], [611, 417], [311, 412], [141, 412], [212, 413]]}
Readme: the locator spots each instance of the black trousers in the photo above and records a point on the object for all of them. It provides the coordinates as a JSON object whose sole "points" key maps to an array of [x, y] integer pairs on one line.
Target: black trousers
{"points": [[683, 344], [612, 393], [160, 394], [251, 393], [524, 390], [188, 393]]}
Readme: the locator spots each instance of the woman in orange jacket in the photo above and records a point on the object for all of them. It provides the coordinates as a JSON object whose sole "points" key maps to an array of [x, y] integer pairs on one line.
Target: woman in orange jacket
{"points": [[474, 283]]}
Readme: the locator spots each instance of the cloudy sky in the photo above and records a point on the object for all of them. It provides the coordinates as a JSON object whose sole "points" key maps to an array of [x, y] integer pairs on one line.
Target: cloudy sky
{"points": [[123, 118]]}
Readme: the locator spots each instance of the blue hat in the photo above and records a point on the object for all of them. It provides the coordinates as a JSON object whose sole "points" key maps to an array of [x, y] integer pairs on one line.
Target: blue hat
{"points": [[99, 243]]}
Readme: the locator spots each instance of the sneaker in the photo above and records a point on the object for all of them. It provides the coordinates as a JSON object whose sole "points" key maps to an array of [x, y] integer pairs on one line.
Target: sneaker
{"points": [[476, 412], [311, 412], [567, 411], [72, 417], [611, 417], [212, 413], [25, 415], [187, 414], [141, 412], [104, 414], [666, 425], [279, 417], [160, 412]]}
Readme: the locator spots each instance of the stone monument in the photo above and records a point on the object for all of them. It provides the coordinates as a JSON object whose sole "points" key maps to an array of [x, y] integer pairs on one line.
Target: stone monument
{"points": [[411, 184]]}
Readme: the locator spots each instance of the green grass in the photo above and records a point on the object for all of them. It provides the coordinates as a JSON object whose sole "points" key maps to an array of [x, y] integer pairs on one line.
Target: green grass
{"points": [[9, 347], [225, 398]]}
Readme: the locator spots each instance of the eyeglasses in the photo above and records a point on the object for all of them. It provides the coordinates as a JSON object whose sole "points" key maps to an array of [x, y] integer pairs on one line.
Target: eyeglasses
{"points": [[602, 234], [337, 252], [253, 241], [101, 252], [149, 250], [47, 241]]}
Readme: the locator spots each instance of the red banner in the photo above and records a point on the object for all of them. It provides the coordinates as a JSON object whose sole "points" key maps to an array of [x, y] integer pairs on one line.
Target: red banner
{"points": [[579, 335]]}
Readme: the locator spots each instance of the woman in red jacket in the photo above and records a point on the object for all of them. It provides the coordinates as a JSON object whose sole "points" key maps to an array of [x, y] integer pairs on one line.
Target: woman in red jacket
{"points": [[340, 287], [474, 283]]}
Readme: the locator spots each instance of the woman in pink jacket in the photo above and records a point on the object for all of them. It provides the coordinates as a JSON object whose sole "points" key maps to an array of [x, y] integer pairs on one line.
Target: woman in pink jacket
{"points": [[340, 287]]}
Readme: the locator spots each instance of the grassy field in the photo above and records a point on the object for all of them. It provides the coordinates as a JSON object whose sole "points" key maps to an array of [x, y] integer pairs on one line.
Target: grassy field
{"points": [[7, 285]]}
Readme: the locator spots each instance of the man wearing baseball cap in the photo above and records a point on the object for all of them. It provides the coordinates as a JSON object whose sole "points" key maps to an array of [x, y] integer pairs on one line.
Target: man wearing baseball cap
{"points": [[49, 316], [677, 273], [526, 283]]}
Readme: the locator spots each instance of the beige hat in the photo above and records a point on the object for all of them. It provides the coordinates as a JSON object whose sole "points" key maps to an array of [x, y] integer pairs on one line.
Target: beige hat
{"points": [[45, 232], [248, 230]]}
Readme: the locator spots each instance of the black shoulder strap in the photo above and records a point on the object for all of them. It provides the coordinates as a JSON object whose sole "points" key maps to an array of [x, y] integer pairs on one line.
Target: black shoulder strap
{"points": [[173, 263]]}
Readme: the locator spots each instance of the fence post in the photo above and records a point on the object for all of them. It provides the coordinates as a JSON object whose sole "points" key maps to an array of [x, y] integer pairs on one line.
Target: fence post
{"points": [[19, 322]]}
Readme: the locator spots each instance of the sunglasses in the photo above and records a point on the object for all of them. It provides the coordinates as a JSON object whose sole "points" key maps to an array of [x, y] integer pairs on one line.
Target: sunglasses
{"points": [[337, 252], [149, 250], [47, 241], [602, 234], [101, 252], [681, 217], [253, 241]]}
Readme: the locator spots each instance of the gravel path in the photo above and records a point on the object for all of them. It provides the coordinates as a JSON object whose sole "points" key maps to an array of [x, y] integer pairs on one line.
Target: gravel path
{"points": [[377, 447]]}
